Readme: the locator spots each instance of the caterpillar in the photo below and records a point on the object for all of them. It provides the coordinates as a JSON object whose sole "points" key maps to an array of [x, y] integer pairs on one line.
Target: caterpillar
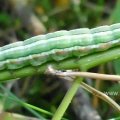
{"points": [[58, 46]]}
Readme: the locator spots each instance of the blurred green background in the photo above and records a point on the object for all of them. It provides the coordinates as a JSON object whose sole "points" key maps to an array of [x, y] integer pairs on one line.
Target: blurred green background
{"points": [[22, 19]]}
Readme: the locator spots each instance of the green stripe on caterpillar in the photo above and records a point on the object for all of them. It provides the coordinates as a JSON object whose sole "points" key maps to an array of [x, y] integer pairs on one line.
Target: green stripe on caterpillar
{"points": [[62, 33], [58, 46]]}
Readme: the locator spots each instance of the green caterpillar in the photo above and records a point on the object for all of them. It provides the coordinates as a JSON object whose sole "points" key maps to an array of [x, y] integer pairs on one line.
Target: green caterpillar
{"points": [[59, 46]]}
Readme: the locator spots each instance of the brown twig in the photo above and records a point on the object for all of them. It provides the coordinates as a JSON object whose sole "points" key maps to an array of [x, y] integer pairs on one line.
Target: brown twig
{"points": [[87, 87], [101, 95], [85, 74]]}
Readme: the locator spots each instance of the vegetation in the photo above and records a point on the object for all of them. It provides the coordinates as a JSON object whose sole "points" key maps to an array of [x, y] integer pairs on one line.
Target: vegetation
{"points": [[38, 96]]}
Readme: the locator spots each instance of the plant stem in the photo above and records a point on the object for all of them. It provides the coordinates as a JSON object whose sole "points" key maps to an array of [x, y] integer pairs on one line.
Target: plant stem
{"points": [[90, 75], [67, 99]]}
